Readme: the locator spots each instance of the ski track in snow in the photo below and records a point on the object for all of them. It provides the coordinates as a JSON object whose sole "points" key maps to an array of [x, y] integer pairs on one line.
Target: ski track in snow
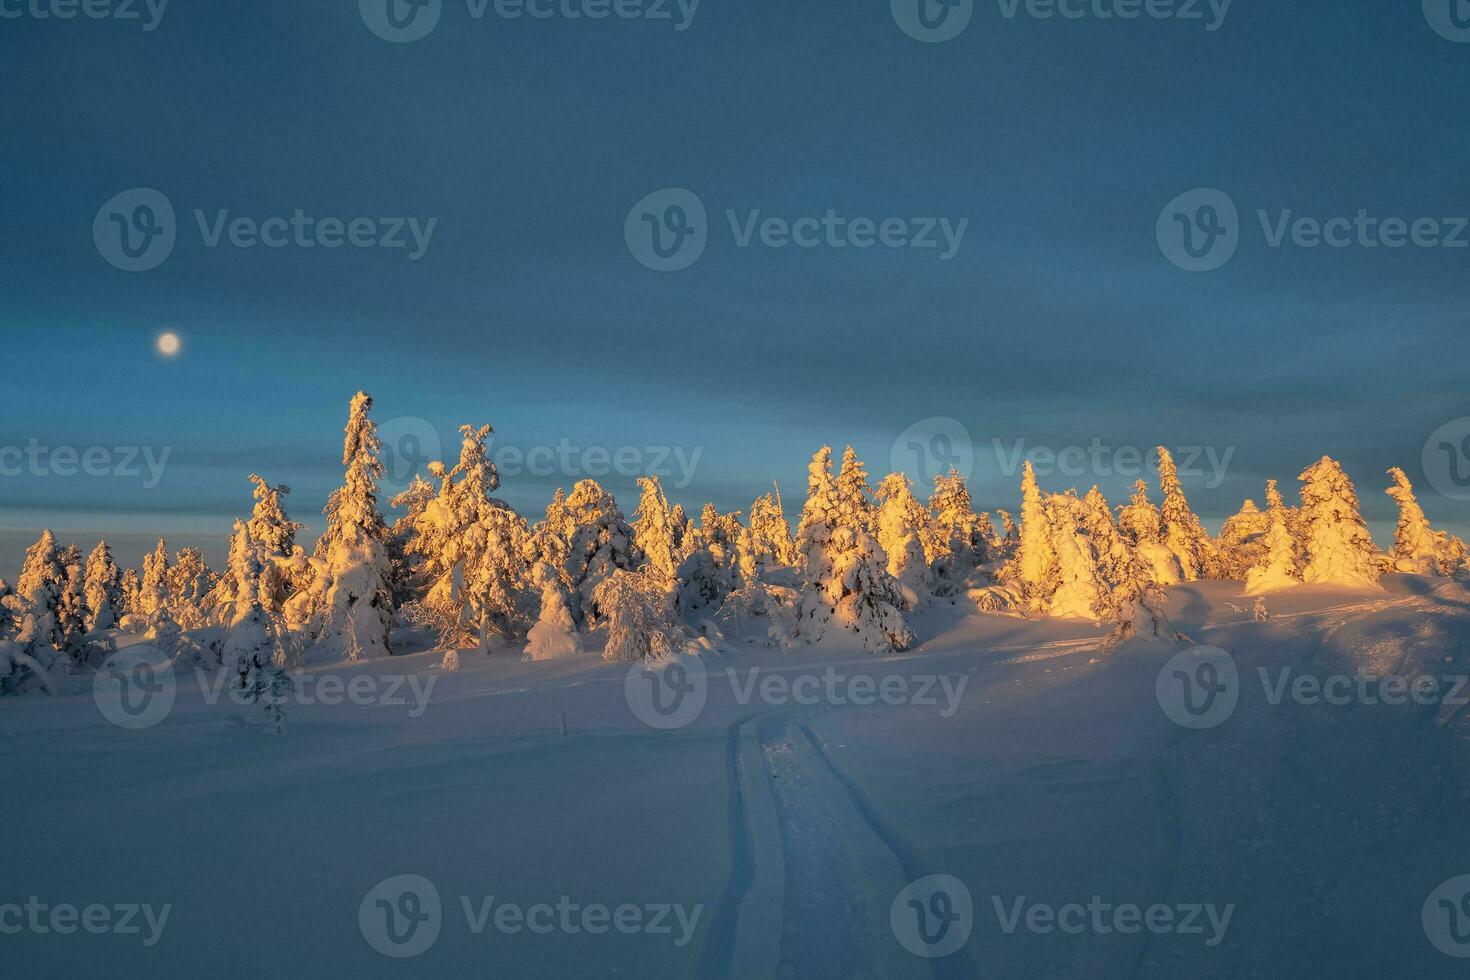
{"points": [[813, 869]]}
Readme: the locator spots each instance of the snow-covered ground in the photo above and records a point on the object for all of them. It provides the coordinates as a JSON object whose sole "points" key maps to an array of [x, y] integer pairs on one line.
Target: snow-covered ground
{"points": [[773, 833]]}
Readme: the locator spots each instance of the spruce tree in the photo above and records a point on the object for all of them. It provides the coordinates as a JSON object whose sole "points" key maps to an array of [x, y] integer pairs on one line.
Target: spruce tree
{"points": [[1143, 525], [772, 544], [1338, 548], [847, 579], [1182, 532], [1033, 568], [1279, 566], [587, 533], [153, 590], [819, 520], [654, 528], [712, 569], [1242, 541], [132, 593], [1417, 547], [355, 595], [902, 525], [956, 540], [189, 583], [854, 496], [103, 585], [1076, 589]]}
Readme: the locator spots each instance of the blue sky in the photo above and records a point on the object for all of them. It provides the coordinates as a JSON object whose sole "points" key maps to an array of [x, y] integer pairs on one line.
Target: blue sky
{"points": [[1058, 320]]}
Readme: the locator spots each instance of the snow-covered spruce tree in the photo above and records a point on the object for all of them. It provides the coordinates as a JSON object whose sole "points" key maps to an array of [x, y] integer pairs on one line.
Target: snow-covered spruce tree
{"points": [[230, 593], [1337, 545], [640, 623], [41, 587], [847, 580], [407, 579], [546, 547], [1079, 591], [1183, 533], [153, 590], [1143, 525], [497, 580], [685, 533], [1279, 566], [956, 540], [132, 594], [249, 641], [854, 496], [26, 662], [1417, 548], [772, 545], [470, 550], [301, 579], [270, 529], [654, 529], [712, 570], [356, 612], [71, 612], [189, 583], [1134, 601], [103, 584], [1242, 543], [1126, 576], [819, 521], [742, 544], [273, 537], [555, 633], [597, 541], [903, 523], [255, 651], [42, 566], [1033, 570], [866, 600]]}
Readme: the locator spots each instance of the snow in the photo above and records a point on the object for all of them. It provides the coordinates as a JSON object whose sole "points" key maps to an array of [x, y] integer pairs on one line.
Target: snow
{"points": [[1056, 777], [791, 739]]}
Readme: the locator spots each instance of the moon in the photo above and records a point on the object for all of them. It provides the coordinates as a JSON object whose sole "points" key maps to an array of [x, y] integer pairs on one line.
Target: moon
{"points": [[169, 343]]}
